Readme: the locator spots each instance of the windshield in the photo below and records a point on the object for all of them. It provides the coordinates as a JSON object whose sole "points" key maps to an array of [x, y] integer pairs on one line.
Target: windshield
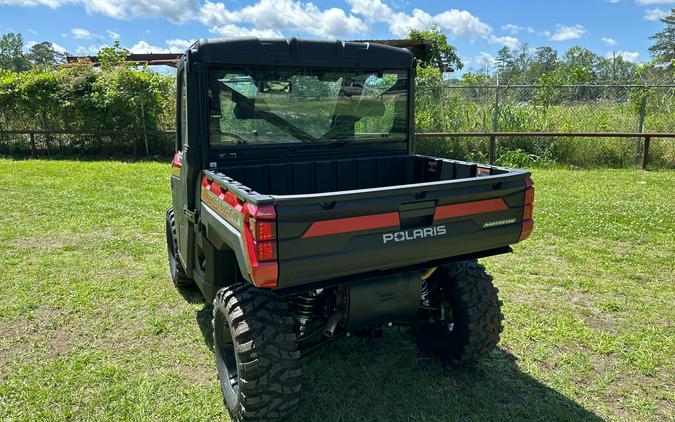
{"points": [[289, 105]]}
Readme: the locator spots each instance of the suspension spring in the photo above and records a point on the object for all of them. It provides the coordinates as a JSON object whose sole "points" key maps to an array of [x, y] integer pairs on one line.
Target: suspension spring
{"points": [[305, 303]]}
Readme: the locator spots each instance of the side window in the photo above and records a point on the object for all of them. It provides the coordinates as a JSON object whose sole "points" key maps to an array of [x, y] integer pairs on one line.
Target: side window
{"points": [[182, 110]]}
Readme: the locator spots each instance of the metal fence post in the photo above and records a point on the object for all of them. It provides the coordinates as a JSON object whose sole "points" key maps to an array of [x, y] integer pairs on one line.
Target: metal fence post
{"points": [[641, 122], [495, 125], [33, 150], [645, 153]]}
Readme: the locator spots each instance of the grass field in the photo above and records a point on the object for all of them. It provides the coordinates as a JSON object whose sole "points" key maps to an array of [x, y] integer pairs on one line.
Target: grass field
{"points": [[92, 329]]}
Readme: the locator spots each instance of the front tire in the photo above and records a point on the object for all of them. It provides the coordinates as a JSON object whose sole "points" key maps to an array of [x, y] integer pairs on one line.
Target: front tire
{"points": [[256, 353], [468, 321], [176, 270]]}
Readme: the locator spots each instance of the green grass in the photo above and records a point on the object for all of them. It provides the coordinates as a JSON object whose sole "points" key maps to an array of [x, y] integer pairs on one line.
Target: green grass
{"points": [[92, 329]]}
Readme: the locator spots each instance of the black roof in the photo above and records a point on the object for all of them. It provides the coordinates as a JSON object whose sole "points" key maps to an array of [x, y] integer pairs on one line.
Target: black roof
{"points": [[295, 52]]}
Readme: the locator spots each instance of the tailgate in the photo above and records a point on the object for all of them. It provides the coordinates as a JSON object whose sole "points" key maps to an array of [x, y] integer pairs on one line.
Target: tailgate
{"points": [[324, 236]]}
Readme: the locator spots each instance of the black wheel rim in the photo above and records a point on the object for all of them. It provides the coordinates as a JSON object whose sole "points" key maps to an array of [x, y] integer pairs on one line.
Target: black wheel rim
{"points": [[226, 359]]}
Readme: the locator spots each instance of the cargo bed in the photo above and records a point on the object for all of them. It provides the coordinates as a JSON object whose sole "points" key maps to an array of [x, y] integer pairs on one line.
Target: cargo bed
{"points": [[336, 218]]}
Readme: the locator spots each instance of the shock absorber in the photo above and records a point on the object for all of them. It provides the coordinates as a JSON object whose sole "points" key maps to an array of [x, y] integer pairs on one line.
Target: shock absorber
{"points": [[305, 303], [424, 296]]}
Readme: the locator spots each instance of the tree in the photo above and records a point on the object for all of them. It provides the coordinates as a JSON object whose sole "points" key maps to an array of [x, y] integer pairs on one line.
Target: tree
{"points": [[115, 56], [663, 50], [11, 53], [505, 63], [44, 55], [441, 54], [545, 61]]}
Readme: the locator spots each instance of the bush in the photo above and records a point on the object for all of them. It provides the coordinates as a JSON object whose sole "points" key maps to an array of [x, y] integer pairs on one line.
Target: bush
{"points": [[81, 97]]}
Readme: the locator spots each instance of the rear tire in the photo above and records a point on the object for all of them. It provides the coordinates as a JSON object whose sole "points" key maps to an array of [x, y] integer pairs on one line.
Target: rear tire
{"points": [[473, 318], [176, 270], [256, 353]]}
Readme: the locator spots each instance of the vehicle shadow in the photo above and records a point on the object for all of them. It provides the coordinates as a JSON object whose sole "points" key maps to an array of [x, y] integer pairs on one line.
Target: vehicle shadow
{"points": [[358, 379]]}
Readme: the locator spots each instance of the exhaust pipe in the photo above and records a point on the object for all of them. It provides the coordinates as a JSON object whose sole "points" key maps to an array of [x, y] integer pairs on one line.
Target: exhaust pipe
{"points": [[331, 324]]}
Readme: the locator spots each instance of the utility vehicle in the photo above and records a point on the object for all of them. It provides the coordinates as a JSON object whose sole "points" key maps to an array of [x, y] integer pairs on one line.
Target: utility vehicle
{"points": [[302, 211]]}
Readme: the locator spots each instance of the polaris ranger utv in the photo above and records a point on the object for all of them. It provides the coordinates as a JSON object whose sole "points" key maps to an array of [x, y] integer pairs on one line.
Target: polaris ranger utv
{"points": [[302, 211]]}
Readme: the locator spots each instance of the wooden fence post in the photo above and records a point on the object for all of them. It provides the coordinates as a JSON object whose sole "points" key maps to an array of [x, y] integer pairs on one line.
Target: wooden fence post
{"points": [[645, 153]]}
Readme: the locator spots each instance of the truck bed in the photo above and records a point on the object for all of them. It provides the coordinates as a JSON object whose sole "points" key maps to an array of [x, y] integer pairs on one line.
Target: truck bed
{"points": [[323, 176], [344, 217]]}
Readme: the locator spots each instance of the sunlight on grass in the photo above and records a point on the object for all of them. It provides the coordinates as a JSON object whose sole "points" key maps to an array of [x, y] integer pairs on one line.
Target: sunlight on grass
{"points": [[91, 327]]}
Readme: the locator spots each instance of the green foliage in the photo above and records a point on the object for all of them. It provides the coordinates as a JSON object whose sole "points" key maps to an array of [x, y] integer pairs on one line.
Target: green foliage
{"points": [[663, 49], [81, 97], [12, 56], [112, 57], [441, 54], [43, 55]]}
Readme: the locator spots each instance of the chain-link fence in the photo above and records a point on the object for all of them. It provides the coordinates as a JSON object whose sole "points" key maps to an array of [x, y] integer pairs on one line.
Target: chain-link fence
{"points": [[453, 108], [548, 108]]}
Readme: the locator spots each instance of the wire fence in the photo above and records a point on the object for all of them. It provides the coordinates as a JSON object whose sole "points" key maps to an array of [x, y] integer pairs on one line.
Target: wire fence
{"points": [[453, 108], [548, 108]]}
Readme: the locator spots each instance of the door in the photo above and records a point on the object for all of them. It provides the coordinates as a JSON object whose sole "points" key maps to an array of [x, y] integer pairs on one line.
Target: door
{"points": [[180, 171]]}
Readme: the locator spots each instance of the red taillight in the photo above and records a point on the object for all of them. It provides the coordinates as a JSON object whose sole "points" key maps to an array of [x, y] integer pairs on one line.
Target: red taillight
{"points": [[528, 202], [260, 232], [258, 227], [176, 162], [266, 251], [263, 230]]}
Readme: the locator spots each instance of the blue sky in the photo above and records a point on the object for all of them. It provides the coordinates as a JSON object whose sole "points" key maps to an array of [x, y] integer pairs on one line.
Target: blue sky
{"points": [[477, 28]]}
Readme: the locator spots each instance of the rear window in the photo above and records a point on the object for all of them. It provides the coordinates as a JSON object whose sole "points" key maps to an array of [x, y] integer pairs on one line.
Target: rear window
{"points": [[292, 105]]}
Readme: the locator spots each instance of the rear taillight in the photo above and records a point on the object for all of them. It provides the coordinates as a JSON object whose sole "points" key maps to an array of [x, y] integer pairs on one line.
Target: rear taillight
{"points": [[258, 226], [528, 202], [176, 164], [261, 234]]}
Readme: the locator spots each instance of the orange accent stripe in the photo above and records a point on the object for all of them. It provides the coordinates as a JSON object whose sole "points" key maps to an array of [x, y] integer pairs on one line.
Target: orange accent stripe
{"points": [[469, 208], [352, 224]]}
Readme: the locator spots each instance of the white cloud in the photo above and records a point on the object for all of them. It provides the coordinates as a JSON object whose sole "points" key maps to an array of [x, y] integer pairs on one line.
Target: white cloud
{"points": [[655, 14], [613, 1], [273, 17], [92, 50], [113, 35], [455, 23], [516, 29], [231, 30], [629, 56], [59, 48], [609, 41], [55, 46], [32, 3], [142, 47], [177, 45], [511, 42], [654, 1], [485, 59], [174, 10], [81, 33], [566, 33]]}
